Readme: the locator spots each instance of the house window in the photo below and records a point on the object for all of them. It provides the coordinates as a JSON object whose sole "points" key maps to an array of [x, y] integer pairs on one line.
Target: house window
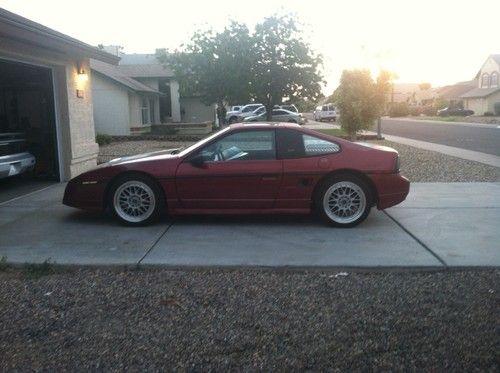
{"points": [[485, 81], [494, 79], [145, 111]]}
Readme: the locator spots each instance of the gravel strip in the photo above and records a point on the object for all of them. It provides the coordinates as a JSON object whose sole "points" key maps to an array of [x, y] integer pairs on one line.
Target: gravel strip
{"points": [[416, 164], [421, 165], [124, 148], [154, 319]]}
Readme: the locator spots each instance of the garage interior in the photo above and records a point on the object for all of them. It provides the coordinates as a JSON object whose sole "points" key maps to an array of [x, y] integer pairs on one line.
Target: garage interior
{"points": [[27, 113]]}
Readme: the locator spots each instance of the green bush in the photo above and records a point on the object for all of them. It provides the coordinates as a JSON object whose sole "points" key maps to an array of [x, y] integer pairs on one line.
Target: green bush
{"points": [[497, 108], [103, 139], [399, 109], [488, 114]]}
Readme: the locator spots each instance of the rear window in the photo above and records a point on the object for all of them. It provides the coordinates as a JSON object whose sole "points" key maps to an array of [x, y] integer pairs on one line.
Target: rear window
{"points": [[316, 146]]}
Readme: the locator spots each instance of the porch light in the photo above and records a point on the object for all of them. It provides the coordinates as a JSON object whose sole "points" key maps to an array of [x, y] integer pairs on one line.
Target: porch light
{"points": [[82, 75]]}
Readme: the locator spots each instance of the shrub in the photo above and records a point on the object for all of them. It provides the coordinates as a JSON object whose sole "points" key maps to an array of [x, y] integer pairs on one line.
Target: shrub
{"points": [[497, 108], [429, 110], [415, 110], [488, 114], [103, 139], [399, 109]]}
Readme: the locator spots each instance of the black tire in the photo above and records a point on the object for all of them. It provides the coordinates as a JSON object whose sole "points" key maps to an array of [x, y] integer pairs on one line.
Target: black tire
{"points": [[292, 121], [339, 184], [233, 120], [147, 201]]}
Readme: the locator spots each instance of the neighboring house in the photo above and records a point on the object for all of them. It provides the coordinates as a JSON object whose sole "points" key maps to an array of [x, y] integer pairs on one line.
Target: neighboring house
{"points": [[45, 93], [139, 92], [483, 97], [122, 105], [411, 93], [453, 93]]}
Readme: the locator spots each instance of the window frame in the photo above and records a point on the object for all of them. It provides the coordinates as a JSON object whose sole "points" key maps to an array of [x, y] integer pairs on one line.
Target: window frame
{"points": [[281, 154], [494, 74], [483, 77], [198, 151]]}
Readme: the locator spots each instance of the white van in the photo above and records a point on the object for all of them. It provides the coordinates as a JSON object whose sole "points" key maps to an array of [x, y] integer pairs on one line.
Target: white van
{"points": [[325, 112]]}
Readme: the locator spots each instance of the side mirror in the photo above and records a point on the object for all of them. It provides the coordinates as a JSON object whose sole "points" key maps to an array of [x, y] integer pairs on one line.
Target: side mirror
{"points": [[198, 161]]}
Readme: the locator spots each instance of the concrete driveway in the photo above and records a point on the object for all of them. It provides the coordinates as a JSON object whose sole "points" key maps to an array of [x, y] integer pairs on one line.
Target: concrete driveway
{"points": [[439, 225]]}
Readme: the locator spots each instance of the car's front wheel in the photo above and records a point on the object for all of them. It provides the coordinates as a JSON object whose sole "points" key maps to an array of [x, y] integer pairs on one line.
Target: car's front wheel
{"points": [[135, 200], [343, 201]]}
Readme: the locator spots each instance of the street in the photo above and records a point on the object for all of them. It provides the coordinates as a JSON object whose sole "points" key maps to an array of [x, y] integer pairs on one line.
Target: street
{"points": [[477, 137]]}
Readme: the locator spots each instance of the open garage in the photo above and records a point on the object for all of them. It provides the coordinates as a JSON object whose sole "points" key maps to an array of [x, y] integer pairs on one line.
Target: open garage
{"points": [[46, 119]]}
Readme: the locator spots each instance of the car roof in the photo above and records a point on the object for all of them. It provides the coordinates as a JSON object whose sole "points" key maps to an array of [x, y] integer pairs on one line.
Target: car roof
{"points": [[264, 125]]}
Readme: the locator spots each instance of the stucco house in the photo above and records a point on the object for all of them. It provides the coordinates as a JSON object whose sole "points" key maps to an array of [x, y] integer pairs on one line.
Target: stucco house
{"points": [[138, 92], [483, 97], [45, 95]]}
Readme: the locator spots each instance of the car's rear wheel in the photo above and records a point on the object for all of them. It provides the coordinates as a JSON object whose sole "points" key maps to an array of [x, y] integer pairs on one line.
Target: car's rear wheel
{"points": [[343, 201], [136, 200], [232, 120]]}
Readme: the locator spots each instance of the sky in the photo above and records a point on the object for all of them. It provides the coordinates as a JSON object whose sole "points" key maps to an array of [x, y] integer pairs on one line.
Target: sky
{"points": [[437, 41]]}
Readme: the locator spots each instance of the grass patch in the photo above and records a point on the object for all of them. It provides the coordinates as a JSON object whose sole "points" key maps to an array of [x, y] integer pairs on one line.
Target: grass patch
{"points": [[332, 131], [38, 270]]}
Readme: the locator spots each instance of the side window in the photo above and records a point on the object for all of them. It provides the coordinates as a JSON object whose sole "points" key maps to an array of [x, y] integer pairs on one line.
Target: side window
{"points": [[242, 146], [290, 144], [247, 109], [279, 112], [325, 108], [316, 146]]}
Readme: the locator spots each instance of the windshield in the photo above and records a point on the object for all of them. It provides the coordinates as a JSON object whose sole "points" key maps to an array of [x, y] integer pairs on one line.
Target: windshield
{"points": [[202, 142]]}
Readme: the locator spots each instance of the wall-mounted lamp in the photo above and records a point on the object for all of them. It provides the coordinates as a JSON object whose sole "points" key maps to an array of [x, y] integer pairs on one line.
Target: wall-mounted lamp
{"points": [[82, 75]]}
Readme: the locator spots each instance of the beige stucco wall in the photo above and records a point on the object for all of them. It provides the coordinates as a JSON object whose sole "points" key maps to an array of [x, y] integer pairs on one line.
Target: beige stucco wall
{"points": [[195, 111], [74, 116], [482, 105], [111, 107]]}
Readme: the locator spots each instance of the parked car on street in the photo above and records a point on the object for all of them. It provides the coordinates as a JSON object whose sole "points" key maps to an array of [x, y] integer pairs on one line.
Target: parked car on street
{"points": [[247, 168], [447, 111], [245, 111], [279, 115], [325, 112], [14, 157], [291, 108]]}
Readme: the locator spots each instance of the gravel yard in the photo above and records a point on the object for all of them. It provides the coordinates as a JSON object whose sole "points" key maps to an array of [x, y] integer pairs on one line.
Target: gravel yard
{"points": [[200, 320], [417, 164]]}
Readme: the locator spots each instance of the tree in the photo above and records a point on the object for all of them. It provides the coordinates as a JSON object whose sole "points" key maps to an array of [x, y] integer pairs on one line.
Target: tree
{"points": [[214, 66], [284, 64], [360, 100]]}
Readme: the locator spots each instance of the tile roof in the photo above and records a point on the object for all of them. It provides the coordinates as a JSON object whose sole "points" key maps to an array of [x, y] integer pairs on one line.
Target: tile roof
{"points": [[456, 90], [480, 92], [144, 66], [146, 71], [114, 73]]}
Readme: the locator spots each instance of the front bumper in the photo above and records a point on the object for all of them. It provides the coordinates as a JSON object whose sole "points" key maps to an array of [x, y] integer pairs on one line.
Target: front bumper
{"points": [[84, 195], [15, 164]]}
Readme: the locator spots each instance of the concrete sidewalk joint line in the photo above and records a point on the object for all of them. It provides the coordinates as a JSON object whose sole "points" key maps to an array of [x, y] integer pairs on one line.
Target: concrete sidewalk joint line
{"points": [[27, 194], [417, 240], [154, 243]]}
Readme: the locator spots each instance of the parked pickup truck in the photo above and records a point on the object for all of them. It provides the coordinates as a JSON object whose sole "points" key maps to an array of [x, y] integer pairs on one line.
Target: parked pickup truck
{"points": [[14, 159]]}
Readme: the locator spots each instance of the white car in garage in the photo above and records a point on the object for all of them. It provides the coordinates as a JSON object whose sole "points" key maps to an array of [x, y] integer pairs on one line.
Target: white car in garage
{"points": [[14, 159]]}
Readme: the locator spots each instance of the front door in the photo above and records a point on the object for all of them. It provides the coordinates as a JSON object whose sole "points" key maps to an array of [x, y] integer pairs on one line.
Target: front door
{"points": [[239, 171]]}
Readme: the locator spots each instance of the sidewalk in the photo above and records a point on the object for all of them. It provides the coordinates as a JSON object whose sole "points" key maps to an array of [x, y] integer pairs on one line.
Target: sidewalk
{"points": [[470, 155], [440, 225]]}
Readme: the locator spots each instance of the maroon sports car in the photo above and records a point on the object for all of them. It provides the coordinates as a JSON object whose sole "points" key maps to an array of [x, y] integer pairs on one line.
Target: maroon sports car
{"points": [[247, 169]]}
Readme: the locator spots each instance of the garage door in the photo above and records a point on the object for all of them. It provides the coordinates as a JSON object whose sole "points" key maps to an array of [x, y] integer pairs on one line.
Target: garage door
{"points": [[28, 136]]}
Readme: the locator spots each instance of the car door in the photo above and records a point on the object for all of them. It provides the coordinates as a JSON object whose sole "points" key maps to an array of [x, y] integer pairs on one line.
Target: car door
{"points": [[304, 164], [238, 171]]}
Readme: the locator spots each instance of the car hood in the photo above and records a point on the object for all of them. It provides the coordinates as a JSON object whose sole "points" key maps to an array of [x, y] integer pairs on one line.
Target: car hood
{"points": [[158, 155]]}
